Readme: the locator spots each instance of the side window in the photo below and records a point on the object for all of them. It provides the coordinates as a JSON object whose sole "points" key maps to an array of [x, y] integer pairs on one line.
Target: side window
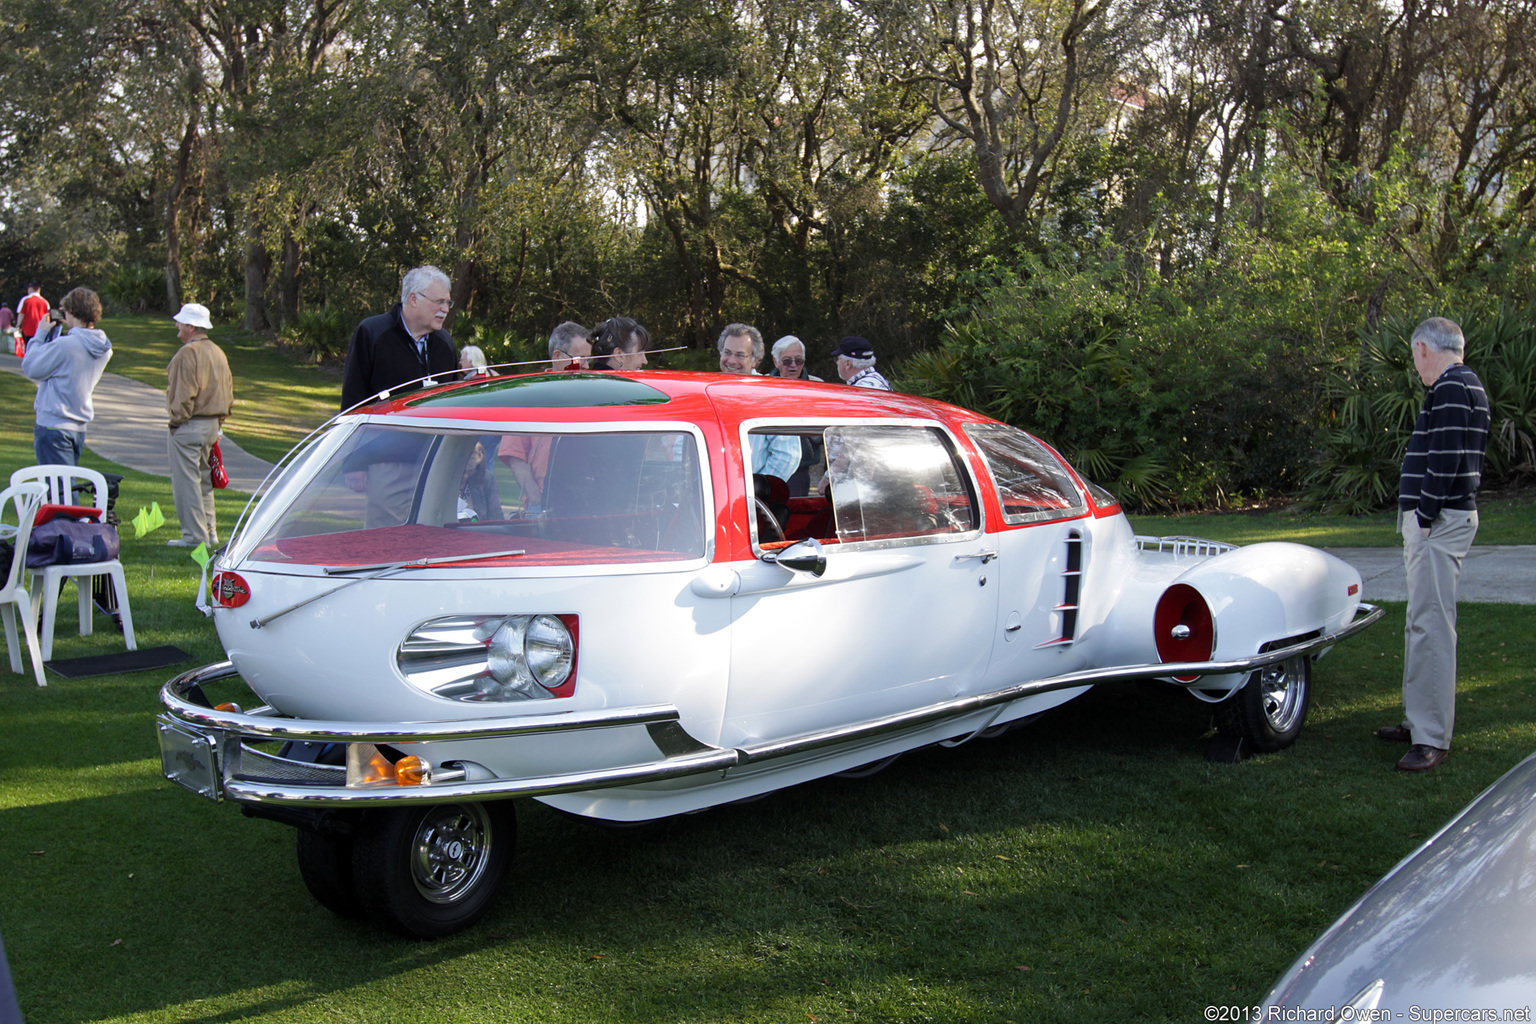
{"points": [[881, 483], [1032, 485]]}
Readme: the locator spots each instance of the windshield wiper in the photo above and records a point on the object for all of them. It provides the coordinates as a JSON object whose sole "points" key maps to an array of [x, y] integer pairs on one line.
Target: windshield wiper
{"points": [[378, 571], [416, 563]]}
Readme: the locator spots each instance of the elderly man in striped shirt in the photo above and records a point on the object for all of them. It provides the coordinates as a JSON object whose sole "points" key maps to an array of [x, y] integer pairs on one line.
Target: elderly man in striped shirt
{"points": [[1437, 516]]}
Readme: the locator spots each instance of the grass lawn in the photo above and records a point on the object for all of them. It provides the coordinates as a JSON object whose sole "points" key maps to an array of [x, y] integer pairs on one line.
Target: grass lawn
{"points": [[1090, 866], [277, 399], [1503, 519]]}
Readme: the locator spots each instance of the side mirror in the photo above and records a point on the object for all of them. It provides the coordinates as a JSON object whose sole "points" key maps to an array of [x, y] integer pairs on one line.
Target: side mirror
{"points": [[801, 556]]}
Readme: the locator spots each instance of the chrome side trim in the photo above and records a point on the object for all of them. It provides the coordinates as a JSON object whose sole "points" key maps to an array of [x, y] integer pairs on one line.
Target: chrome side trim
{"points": [[1088, 677], [680, 754]]}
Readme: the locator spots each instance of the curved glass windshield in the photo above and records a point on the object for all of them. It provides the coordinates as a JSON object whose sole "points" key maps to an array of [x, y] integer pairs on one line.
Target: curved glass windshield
{"points": [[1032, 486], [394, 494]]}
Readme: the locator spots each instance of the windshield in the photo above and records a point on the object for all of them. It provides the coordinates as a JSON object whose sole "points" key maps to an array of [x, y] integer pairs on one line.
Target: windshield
{"points": [[393, 494]]}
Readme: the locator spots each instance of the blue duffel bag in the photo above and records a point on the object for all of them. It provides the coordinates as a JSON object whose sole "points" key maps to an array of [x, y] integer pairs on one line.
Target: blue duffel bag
{"points": [[63, 541]]}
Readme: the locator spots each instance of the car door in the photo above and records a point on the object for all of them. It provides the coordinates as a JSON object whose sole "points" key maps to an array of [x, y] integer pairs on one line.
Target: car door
{"points": [[905, 612], [1044, 549]]}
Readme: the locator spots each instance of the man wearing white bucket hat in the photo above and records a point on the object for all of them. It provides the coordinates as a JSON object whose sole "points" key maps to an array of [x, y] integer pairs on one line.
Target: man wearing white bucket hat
{"points": [[199, 395]]}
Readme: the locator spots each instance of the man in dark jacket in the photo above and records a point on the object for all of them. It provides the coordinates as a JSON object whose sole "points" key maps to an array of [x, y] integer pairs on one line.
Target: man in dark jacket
{"points": [[389, 352], [406, 343]]}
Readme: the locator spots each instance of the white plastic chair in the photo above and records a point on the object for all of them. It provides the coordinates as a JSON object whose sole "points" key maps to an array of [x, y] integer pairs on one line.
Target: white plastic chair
{"points": [[25, 499], [60, 481]]}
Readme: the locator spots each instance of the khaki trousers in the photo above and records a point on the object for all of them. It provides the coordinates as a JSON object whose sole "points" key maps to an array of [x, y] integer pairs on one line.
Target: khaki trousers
{"points": [[191, 488], [1433, 567]]}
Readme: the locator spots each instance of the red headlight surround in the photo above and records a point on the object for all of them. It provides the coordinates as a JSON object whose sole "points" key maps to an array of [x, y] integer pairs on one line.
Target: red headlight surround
{"points": [[1183, 627]]}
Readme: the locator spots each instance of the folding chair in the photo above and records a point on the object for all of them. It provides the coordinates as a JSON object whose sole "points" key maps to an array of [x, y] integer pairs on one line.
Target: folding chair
{"points": [[25, 498], [60, 482]]}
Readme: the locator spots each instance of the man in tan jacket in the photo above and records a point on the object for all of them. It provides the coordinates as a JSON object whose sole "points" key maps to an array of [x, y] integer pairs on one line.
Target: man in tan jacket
{"points": [[199, 395]]}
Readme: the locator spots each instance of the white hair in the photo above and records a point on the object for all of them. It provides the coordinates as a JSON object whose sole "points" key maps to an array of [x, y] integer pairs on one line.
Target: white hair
{"points": [[1441, 335], [859, 364], [474, 355], [417, 279], [782, 345]]}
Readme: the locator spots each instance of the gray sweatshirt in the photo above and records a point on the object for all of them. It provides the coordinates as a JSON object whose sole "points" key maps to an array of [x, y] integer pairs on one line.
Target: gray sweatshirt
{"points": [[66, 370]]}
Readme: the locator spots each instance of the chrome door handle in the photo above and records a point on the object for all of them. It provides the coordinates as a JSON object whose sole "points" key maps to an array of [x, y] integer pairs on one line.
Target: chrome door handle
{"points": [[985, 556]]}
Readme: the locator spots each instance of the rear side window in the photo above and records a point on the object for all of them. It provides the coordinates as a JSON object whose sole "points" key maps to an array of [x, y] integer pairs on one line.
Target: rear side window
{"points": [[391, 494], [872, 483], [1032, 484]]}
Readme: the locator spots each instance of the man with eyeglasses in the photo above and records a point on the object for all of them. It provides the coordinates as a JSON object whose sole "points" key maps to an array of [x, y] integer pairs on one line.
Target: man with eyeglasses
{"points": [[392, 351], [775, 455], [570, 345], [789, 362], [789, 359]]}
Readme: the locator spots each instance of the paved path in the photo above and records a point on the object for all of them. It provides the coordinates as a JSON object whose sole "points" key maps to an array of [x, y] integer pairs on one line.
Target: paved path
{"points": [[129, 429], [1496, 573]]}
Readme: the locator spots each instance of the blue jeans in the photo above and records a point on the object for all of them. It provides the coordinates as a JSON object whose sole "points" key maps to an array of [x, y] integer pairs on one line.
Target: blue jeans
{"points": [[54, 447]]}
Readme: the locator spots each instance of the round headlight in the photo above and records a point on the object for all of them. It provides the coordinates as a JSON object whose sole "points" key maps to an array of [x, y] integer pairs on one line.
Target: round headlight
{"points": [[548, 651]]}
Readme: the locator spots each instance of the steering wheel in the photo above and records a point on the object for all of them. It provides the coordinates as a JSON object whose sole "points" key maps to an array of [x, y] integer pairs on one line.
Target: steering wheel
{"points": [[765, 515]]}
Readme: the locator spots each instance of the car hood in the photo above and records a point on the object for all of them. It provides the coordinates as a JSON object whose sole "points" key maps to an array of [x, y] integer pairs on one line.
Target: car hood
{"points": [[1451, 925]]}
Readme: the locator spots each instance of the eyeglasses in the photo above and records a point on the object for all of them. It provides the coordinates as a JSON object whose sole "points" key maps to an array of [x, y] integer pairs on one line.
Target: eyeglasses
{"points": [[792, 361], [439, 303]]}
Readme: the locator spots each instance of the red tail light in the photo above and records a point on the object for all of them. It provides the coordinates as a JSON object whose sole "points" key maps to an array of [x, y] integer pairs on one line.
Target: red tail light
{"points": [[1183, 626]]}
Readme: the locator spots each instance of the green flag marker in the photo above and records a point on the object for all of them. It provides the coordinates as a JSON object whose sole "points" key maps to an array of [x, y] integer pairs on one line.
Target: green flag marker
{"points": [[200, 555]]}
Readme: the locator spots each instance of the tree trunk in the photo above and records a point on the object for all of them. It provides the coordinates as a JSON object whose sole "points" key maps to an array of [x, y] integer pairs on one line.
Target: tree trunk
{"points": [[257, 263], [289, 283], [189, 139]]}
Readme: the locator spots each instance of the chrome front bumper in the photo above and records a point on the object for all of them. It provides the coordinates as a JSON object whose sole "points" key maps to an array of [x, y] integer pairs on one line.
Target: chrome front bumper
{"points": [[213, 753]]}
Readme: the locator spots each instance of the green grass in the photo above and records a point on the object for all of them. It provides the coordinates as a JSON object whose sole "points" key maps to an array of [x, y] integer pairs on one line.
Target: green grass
{"points": [[1089, 866], [1503, 519], [277, 398]]}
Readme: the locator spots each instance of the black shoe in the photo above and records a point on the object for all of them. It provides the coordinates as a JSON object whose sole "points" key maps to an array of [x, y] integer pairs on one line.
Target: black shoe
{"points": [[1394, 734], [1421, 758]]}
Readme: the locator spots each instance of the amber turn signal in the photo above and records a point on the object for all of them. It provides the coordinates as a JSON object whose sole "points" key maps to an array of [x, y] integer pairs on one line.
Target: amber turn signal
{"points": [[412, 771]]}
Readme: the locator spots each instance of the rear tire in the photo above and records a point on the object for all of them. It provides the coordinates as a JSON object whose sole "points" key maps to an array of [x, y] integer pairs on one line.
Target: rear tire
{"points": [[325, 864], [1270, 709], [430, 871]]}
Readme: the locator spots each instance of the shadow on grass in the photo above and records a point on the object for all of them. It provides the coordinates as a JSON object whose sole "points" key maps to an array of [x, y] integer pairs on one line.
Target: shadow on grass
{"points": [[1090, 863]]}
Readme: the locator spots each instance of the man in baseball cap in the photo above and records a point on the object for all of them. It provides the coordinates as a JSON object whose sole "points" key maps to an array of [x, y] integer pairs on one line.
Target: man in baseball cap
{"points": [[856, 364]]}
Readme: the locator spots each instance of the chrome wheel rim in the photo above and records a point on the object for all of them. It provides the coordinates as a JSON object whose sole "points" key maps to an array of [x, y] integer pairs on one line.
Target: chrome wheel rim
{"points": [[1283, 693], [450, 851]]}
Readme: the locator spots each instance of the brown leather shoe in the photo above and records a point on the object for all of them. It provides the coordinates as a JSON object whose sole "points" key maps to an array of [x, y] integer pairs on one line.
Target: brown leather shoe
{"points": [[1394, 734], [1421, 758]]}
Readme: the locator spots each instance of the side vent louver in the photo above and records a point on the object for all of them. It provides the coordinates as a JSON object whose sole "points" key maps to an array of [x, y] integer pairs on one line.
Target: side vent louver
{"points": [[1071, 590]]}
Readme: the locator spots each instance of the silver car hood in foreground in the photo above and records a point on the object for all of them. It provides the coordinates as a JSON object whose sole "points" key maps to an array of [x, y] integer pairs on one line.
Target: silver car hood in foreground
{"points": [[1453, 925]]}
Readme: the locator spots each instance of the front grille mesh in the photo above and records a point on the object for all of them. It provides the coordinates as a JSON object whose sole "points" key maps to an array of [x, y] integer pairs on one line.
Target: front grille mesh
{"points": [[258, 766]]}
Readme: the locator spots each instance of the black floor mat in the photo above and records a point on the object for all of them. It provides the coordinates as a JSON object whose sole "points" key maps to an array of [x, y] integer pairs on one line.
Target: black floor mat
{"points": [[123, 661]]}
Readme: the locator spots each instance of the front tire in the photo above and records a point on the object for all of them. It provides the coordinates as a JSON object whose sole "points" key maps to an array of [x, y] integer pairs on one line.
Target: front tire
{"points": [[431, 871], [1270, 709], [325, 864]]}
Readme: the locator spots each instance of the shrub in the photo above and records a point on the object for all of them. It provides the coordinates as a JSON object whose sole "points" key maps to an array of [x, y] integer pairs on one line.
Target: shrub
{"points": [[1375, 395], [323, 333], [135, 288]]}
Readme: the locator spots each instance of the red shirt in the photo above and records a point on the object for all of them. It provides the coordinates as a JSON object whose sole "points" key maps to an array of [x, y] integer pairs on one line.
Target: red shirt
{"points": [[33, 308]]}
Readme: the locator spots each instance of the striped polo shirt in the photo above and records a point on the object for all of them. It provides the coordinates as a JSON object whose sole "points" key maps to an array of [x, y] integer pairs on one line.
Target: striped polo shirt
{"points": [[1444, 462]]}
